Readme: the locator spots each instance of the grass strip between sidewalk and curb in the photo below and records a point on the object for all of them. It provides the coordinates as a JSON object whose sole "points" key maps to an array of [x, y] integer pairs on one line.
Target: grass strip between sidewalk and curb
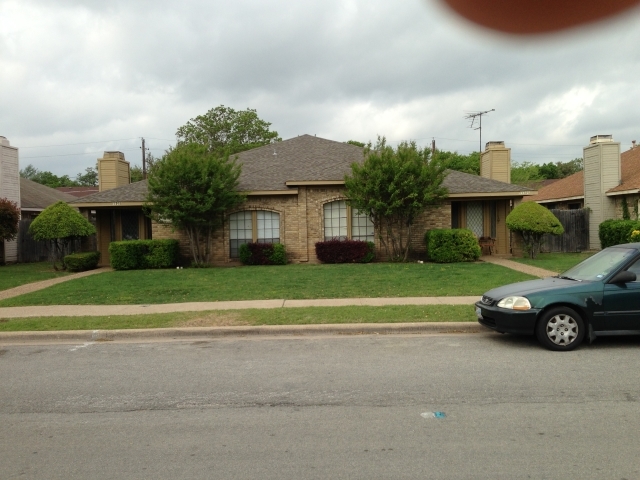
{"points": [[250, 317]]}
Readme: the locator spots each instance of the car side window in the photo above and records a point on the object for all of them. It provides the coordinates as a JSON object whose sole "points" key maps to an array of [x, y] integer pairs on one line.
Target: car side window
{"points": [[635, 268]]}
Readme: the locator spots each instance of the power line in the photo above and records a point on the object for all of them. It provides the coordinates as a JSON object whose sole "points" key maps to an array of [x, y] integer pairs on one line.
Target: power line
{"points": [[72, 154], [81, 143]]}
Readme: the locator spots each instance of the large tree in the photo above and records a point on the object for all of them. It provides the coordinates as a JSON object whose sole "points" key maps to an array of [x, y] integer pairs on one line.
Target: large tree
{"points": [[46, 178], [226, 131], [9, 219], [393, 187], [60, 224], [462, 163], [191, 188]]}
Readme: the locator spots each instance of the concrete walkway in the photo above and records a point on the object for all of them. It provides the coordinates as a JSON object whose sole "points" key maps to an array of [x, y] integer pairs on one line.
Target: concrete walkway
{"points": [[32, 287], [520, 267]]}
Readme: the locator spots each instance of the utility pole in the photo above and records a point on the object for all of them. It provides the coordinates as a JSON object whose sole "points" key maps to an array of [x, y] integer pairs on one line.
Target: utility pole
{"points": [[433, 147], [144, 160], [472, 116]]}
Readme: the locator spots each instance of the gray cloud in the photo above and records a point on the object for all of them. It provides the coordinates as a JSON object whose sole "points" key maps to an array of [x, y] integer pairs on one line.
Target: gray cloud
{"points": [[79, 71]]}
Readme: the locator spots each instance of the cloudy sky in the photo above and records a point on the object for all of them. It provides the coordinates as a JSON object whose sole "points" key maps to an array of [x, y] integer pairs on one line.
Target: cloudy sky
{"points": [[80, 77]]}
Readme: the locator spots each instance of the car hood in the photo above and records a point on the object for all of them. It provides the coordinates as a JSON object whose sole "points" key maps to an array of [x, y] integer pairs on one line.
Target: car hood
{"points": [[534, 287]]}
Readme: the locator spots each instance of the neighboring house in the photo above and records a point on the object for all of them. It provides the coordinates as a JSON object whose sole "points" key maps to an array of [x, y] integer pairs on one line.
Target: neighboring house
{"points": [[34, 198], [296, 196], [9, 189], [609, 179]]}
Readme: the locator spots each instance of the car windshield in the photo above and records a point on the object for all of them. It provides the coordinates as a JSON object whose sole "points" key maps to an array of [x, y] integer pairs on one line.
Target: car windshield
{"points": [[599, 265]]}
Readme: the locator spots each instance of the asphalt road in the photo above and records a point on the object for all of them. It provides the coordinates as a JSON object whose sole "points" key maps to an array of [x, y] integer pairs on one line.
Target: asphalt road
{"points": [[355, 407]]}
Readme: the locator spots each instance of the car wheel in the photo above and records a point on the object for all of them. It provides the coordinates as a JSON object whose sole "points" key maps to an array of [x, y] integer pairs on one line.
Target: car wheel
{"points": [[560, 329]]}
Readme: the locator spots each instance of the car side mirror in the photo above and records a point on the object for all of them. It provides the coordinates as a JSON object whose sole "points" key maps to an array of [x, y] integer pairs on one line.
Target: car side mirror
{"points": [[623, 277]]}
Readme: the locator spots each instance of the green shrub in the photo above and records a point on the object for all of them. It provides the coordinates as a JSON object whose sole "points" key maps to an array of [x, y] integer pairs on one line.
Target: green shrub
{"points": [[614, 232], [142, 254], [452, 245], [533, 221], [80, 262], [263, 254]]}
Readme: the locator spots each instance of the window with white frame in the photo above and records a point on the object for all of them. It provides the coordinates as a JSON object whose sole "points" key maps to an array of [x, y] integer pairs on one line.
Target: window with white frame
{"points": [[252, 226], [341, 222]]}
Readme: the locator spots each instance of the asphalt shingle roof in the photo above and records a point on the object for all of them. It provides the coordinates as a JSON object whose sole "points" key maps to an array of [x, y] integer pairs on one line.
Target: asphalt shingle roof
{"points": [[36, 196], [304, 159], [134, 192]]}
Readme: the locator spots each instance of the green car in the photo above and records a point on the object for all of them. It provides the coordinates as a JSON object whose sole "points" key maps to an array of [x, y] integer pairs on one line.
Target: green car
{"points": [[599, 296]]}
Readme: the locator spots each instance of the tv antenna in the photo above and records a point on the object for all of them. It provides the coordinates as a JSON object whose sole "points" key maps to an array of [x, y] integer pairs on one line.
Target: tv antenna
{"points": [[478, 115]]}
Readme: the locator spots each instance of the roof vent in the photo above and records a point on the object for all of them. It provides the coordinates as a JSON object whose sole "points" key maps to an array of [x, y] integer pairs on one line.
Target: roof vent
{"points": [[601, 139]]}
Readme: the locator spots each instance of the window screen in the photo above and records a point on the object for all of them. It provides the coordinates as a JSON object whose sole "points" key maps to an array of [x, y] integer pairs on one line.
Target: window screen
{"points": [[335, 220], [361, 227], [130, 225], [240, 231], [268, 224]]}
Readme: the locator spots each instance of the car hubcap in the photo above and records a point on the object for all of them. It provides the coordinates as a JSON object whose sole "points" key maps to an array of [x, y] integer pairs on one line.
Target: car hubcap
{"points": [[562, 329]]}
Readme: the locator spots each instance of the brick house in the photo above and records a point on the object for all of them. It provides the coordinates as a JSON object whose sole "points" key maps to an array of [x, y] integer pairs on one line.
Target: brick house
{"points": [[609, 179], [295, 196]]}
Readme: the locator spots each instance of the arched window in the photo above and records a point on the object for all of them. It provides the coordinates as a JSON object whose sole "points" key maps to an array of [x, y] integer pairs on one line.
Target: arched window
{"points": [[258, 226], [341, 222]]}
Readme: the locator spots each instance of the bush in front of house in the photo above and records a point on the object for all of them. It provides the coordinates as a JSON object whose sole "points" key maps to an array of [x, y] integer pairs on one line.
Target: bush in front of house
{"points": [[345, 251], [263, 254], [614, 232], [533, 221], [449, 245], [80, 262], [143, 254]]}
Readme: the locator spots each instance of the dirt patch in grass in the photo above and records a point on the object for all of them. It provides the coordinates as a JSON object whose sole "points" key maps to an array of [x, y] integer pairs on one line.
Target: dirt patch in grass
{"points": [[226, 319]]}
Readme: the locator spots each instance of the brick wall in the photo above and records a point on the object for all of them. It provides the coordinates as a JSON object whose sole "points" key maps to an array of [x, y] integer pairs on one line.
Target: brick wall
{"points": [[301, 225]]}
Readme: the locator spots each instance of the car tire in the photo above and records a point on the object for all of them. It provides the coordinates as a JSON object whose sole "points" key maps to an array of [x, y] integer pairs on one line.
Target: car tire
{"points": [[560, 329]]}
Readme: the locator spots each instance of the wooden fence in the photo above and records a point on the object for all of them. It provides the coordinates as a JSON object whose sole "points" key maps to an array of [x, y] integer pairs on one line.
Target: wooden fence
{"points": [[576, 232], [30, 250]]}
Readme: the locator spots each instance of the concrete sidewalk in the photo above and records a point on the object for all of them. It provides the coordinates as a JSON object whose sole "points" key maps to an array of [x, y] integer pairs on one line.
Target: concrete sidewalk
{"points": [[106, 310]]}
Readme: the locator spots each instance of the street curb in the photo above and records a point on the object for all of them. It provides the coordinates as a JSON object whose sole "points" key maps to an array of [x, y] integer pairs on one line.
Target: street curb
{"points": [[152, 334]]}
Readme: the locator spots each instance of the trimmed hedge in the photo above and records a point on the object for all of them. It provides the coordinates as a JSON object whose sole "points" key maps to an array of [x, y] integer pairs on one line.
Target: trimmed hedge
{"points": [[345, 251], [614, 232], [80, 262], [143, 254], [263, 254], [452, 245]]}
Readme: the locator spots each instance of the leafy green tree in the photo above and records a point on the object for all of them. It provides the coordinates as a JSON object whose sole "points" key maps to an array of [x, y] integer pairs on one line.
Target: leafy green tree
{"points": [[533, 221], [191, 188], [226, 131], [462, 163], [522, 172], [9, 219], [356, 143], [393, 187], [136, 173], [60, 224], [46, 178], [549, 171], [569, 168], [88, 179]]}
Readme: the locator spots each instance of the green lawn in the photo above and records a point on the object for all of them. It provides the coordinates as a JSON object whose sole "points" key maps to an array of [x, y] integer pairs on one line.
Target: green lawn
{"points": [[556, 262], [279, 316], [269, 282], [18, 274]]}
